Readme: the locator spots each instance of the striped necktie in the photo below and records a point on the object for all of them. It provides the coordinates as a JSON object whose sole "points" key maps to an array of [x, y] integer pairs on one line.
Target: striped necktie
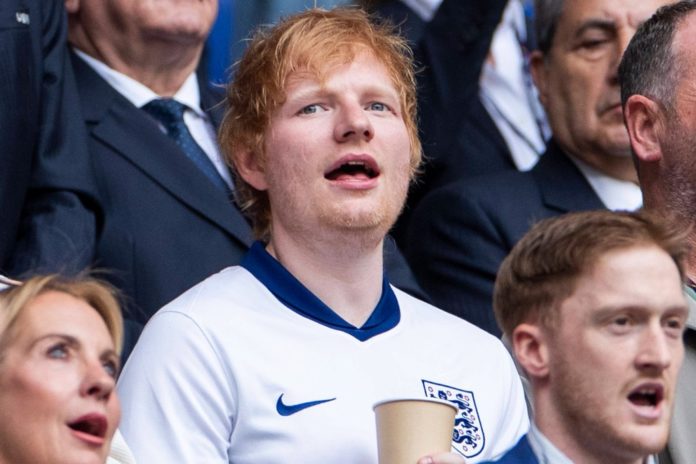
{"points": [[171, 114]]}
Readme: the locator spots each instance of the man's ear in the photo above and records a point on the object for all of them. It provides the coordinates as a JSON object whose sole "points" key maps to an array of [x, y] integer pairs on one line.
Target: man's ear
{"points": [[642, 116], [531, 350], [248, 165], [72, 6], [537, 67]]}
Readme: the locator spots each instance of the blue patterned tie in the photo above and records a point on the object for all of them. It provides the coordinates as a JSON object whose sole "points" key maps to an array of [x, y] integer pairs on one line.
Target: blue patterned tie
{"points": [[171, 114]]}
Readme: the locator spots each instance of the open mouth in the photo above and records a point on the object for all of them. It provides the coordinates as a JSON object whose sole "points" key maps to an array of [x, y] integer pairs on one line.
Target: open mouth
{"points": [[94, 425], [647, 395], [353, 169]]}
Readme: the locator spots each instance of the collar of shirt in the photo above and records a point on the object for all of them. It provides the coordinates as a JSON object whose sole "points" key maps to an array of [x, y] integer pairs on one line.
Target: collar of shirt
{"points": [[544, 450], [425, 9], [547, 453], [295, 296], [691, 302], [139, 94], [616, 194]]}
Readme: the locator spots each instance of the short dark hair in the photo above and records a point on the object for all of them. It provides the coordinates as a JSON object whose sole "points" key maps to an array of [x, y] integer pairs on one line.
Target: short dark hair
{"points": [[546, 16], [649, 66], [543, 269]]}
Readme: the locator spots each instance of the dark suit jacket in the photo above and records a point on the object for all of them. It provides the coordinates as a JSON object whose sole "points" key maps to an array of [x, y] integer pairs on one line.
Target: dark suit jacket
{"points": [[521, 453], [460, 140], [158, 225], [409, 24], [39, 124], [461, 233]]}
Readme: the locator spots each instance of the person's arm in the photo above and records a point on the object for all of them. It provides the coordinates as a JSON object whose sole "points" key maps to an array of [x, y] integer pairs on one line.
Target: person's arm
{"points": [[58, 227], [452, 51], [179, 402]]}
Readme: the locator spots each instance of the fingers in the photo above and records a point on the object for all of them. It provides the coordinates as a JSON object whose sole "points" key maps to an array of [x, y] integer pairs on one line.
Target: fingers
{"points": [[442, 458]]}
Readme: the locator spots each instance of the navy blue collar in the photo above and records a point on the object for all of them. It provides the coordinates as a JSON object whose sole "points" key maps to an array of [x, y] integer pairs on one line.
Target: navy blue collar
{"points": [[298, 298]]}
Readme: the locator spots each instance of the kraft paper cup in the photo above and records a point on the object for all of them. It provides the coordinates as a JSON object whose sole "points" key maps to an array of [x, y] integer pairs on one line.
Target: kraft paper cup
{"points": [[409, 429]]}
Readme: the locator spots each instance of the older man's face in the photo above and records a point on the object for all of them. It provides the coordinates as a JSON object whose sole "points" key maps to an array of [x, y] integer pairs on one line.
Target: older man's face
{"points": [[577, 78], [137, 23]]}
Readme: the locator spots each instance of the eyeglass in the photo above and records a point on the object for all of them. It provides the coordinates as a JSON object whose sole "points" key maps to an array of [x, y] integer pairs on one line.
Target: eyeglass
{"points": [[6, 282]]}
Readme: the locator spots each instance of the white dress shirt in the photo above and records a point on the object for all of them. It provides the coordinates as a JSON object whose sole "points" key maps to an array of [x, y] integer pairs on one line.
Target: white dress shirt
{"points": [[196, 120], [119, 453], [616, 194], [508, 94], [425, 9]]}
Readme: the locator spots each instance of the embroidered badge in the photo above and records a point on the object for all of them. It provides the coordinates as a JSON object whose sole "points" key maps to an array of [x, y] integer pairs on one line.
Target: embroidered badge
{"points": [[22, 17], [467, 437]]}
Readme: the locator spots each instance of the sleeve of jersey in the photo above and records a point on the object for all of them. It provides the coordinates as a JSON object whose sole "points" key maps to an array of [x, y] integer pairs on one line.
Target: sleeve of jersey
{"points": [[514, 423], [178, 404]]}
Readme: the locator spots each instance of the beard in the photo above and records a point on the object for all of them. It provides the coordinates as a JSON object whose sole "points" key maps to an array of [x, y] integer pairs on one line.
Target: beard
{"points": [[363, 220], [592, 416], [678, 172]]}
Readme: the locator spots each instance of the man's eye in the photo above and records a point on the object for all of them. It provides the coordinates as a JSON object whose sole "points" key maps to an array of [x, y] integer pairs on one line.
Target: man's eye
{"points": [[674, 324], [592, 43], [310, 109], [378, 106], [621, 321]]}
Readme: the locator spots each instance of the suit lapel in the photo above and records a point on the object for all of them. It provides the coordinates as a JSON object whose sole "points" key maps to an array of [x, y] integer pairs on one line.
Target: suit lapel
{"points": [[114, 121], [213, 103], [563, 187]]}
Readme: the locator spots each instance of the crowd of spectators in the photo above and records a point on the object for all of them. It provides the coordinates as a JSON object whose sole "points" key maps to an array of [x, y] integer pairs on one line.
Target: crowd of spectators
{"points": [[281, 240]]}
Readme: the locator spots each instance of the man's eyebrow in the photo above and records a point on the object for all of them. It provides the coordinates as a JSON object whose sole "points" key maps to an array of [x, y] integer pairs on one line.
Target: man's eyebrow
{"points": [[602, 24], [608, 311], [306, 92], [321, 91]]}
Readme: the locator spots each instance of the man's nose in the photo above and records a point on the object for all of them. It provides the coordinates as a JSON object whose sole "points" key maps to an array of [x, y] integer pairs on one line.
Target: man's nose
{"points": [[353, 123], [656, 349]]}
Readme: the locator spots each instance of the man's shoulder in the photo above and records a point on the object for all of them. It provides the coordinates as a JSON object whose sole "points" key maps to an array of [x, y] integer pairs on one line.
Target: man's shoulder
{"points": [[431, 318], [507, 201], [229, 288], [521, 453], [498, 184], [497, 193]]}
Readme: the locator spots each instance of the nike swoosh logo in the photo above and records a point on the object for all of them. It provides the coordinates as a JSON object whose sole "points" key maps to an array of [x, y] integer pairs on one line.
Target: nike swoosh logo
{"points": [[289, 409]]}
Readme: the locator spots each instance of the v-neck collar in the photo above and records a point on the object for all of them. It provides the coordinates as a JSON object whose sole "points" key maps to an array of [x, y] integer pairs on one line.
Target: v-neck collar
{"points": [[298, 298]]}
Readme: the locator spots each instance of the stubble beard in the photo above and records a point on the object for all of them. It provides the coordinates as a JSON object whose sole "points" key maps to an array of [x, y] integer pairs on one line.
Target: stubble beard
{"points": [[365, 226], [679, 174], [587, 420], [362, 228]]}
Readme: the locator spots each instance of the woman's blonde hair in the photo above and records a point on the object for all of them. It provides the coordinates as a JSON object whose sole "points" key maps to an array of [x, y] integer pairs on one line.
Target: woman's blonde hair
{"points": [[99, 295]]}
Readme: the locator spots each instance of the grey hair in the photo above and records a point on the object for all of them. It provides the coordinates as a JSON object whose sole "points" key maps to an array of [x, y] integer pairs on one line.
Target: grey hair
{"points": [[649, 65], [546, 16]]}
